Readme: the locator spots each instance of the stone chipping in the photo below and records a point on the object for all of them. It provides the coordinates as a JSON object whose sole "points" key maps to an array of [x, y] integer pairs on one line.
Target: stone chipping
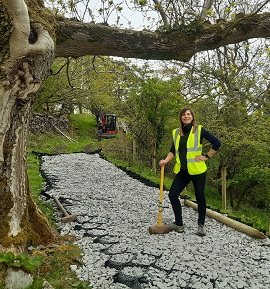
{"points": [[114, 212]]}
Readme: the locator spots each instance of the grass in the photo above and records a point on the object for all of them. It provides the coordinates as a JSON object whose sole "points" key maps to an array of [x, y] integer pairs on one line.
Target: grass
{"points": [[82, 138], [56, 268], [36, 185]]}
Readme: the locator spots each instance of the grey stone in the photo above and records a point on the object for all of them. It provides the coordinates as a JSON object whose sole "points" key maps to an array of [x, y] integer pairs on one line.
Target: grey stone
{"points": [[18, 279], [110, 205]]}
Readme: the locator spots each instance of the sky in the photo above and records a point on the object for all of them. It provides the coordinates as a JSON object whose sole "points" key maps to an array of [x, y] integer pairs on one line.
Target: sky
{"points": [[128, 16]]}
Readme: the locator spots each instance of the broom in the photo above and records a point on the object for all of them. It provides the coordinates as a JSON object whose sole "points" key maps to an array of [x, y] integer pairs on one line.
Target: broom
{"points": [[160, 229]]}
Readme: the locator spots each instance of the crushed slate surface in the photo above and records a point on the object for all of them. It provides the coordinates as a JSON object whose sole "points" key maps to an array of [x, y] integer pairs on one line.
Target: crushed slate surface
{"points": [[114, 212]]}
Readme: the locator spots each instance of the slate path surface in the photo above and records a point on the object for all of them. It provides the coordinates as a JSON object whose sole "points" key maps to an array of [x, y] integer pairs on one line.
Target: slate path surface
{"points": [[114, 213]]}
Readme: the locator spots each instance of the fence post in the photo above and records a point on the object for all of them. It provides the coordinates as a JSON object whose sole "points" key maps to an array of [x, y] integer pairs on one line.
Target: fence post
{"points": [[224, 191], [134, 151], [122, 136]]}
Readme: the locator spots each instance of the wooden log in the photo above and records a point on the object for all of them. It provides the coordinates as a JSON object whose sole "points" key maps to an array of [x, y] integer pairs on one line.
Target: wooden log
{"points": [[229, 222]]}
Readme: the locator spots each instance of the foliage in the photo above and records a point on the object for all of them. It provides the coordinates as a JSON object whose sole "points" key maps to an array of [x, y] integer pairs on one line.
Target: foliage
{"points": [[247, 212], [229, 94], [151, 102], [22, 261], [82, 85]]}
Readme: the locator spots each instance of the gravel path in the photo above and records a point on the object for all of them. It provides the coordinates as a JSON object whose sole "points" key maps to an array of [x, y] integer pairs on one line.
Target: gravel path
{"points": [[114, 213]]}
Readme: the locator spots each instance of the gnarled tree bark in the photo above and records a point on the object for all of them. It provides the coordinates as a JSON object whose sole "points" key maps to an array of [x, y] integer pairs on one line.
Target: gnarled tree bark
{"points": [[27, 67]]}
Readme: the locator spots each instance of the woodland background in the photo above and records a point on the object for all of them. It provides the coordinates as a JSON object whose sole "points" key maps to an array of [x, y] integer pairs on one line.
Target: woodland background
{"points": [[228, 98]]}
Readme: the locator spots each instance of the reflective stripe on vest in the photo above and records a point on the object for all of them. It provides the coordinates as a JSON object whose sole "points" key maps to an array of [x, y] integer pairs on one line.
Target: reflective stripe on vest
{"points": [[194, 148]]}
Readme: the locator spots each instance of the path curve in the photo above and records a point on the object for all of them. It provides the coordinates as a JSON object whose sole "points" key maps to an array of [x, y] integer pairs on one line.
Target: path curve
{"points": [[114, 213]]}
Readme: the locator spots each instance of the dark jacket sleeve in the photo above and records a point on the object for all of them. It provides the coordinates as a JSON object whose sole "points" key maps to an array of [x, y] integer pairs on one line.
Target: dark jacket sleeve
{"points": [[211, 138], [172, 150]]}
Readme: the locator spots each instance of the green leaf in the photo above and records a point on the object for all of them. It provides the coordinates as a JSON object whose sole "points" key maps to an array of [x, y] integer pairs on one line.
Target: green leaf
{"points": [[10, 257], [23, 257], [16, 263], [36, 261], [30, 267], [3, 258]]}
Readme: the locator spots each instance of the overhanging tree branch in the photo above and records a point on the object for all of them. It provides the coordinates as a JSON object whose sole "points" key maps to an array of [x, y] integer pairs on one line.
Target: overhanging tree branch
{"points": [[179, 44]]}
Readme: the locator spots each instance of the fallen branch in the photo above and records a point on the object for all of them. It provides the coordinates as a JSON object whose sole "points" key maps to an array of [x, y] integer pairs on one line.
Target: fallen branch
{"points": [[69, 138]]}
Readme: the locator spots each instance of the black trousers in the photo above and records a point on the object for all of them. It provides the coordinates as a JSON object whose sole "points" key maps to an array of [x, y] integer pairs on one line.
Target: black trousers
{"points": [[181, 180]]}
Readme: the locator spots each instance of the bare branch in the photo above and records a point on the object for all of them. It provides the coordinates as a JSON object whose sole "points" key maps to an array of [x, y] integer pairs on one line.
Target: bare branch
{"points": [[207, 5], [162, 14], [93, 64], [67, 71], [59, 70], [261, 7]]}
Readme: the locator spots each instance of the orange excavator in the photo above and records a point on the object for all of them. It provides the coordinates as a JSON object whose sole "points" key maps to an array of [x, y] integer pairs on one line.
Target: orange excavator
{"points": [[106, 125]]}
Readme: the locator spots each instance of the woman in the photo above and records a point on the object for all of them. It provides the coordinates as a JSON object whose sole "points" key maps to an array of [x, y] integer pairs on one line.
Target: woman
{"points": [[190, 166]]}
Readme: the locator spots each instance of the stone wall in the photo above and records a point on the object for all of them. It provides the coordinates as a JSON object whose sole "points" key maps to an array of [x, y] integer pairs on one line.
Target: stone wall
{"points": [[41, 123]]}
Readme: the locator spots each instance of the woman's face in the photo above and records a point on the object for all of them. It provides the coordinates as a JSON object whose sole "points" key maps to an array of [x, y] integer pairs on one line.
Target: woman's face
{"points": [[186, 117]]}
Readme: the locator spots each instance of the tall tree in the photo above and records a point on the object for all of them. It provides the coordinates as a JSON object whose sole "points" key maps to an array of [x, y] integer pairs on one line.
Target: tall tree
{"points": [[31, 37], [153, 100]]}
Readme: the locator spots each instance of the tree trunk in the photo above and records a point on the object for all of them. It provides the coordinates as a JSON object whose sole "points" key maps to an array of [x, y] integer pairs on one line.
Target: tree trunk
{"points": [[27, 64], [21, 221], [80, 109]]}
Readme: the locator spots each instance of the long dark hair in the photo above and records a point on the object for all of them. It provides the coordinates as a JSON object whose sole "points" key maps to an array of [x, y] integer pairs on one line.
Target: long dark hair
{"points": [[194, 124]]}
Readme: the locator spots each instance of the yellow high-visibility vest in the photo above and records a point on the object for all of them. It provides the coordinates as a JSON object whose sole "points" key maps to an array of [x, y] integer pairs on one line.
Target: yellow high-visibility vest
{"points": [[194, 148]]}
